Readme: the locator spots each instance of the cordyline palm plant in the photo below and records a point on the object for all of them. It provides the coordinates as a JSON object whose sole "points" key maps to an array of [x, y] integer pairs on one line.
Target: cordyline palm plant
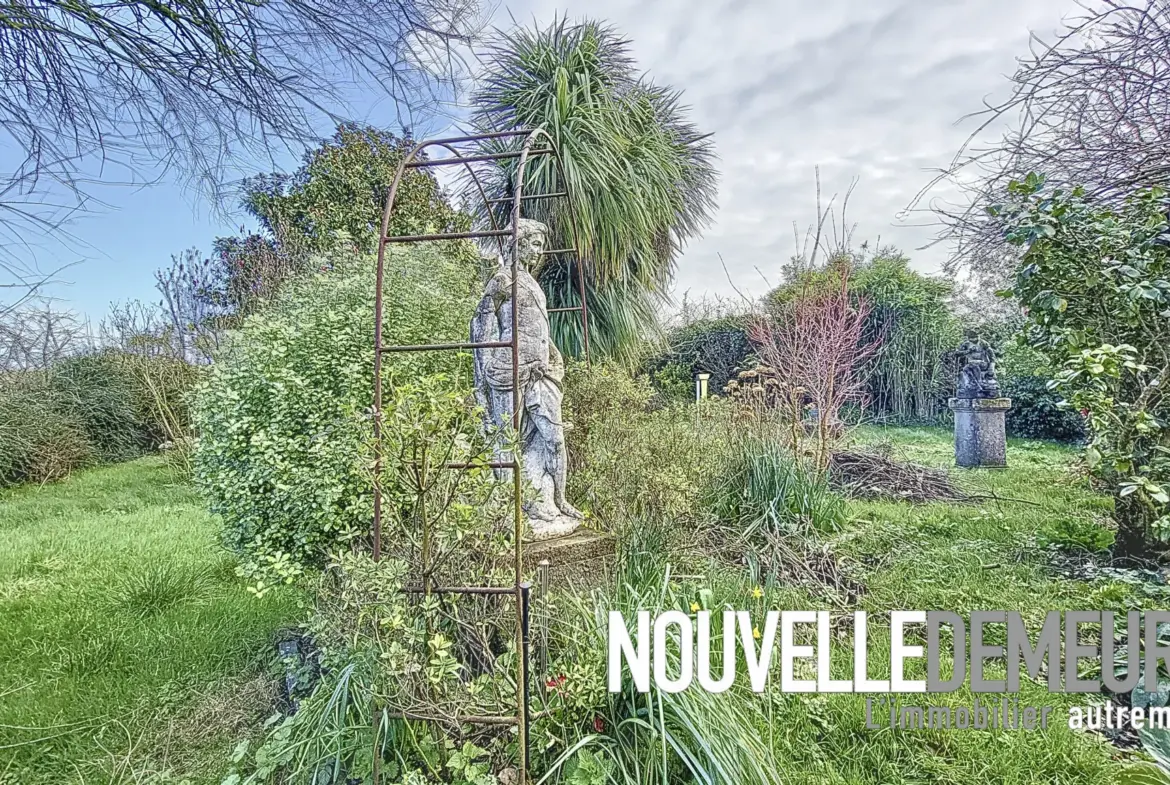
{"points": [[641, 176]]}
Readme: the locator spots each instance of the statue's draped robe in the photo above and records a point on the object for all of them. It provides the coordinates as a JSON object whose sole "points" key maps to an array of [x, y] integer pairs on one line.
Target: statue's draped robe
{"points": [[541, 372]]}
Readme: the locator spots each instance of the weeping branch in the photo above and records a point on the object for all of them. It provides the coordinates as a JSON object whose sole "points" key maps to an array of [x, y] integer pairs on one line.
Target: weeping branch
{"points": [[96, 92]]}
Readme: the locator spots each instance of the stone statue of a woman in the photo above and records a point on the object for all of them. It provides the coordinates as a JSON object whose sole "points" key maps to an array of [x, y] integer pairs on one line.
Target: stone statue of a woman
{"points": [[541, 372]]}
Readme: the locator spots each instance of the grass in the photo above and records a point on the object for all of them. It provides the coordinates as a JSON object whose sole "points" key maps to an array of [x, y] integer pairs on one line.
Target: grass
{"points": [[896, 555], [130, 652], [960, 558]]}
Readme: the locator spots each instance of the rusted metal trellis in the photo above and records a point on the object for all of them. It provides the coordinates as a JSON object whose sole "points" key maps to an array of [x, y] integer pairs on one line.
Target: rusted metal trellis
{"points": [[519, 590]]}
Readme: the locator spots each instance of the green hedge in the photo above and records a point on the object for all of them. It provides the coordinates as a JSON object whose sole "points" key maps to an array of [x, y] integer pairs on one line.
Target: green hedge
{"points": [[40, 440], [100, 407], [718, 346], [98, 390], [1035, 413]]}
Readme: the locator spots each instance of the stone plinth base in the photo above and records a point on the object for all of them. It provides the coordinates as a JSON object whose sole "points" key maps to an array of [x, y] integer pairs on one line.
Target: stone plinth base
{"points": [[580, 559], [980, 437]]}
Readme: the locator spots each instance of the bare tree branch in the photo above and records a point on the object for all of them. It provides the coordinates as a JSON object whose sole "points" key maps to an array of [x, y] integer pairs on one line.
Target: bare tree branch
{"points": [[37, 334], [1090, 108], [95, 91]]}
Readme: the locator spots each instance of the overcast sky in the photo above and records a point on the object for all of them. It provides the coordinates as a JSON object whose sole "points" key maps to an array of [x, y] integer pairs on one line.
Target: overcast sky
{"points": [[871, 89]]}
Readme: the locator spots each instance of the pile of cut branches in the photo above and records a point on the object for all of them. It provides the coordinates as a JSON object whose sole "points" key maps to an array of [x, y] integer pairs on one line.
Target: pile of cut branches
{"points": [[867, 475]]}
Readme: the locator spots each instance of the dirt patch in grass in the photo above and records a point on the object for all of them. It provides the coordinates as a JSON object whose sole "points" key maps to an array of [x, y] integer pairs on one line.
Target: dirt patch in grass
{"points": [[195, 735]]}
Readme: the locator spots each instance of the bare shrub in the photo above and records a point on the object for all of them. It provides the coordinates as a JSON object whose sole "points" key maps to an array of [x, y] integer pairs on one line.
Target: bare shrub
{"points": [[814, 349]]}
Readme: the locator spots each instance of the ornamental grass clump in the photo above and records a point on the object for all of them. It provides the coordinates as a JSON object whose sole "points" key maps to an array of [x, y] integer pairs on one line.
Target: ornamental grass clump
{"points": [[764, 489], [655, 738]]}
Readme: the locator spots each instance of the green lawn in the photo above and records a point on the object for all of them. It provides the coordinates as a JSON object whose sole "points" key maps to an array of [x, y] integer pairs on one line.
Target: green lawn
{"points": [[896, 555], [129, 650], [131, 653], [963, 558]]}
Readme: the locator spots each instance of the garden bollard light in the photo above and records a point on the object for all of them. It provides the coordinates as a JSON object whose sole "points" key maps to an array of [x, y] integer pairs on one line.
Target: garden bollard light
{"points": [[701, 385]]}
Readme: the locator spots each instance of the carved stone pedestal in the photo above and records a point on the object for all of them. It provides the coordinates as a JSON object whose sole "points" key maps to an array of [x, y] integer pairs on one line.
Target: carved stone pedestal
{"points": [[980, 436], [580, 559]]}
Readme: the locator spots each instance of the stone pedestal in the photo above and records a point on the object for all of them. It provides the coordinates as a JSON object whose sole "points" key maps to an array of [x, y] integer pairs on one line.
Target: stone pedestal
{"points": [[580, 559], [980, 437]]}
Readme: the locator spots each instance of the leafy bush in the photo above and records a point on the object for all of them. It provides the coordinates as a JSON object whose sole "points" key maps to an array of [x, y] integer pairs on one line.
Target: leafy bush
{"points": [[1095, 281], [39, 440], [717, 346], [1036, 414], [100, 407], [283, 419], [681, 463], [338, 191], [1024, 376], [674, 381], [376, 641], [764, 487], [630, 460], [377, 644]]}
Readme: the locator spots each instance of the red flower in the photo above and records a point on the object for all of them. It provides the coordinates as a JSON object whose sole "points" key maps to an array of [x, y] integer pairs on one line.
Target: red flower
{"points": [[1084, 412], [598, 724], [556, 681]]}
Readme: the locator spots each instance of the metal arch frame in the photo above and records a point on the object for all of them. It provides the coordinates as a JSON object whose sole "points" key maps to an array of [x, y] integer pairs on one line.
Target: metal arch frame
{"points": [[520, 590]]}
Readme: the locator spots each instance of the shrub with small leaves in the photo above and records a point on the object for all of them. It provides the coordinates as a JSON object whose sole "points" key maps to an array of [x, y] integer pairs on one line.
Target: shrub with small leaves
{"points": [[1095, 283], [284, 416], [1037, 412], [632, 461]]}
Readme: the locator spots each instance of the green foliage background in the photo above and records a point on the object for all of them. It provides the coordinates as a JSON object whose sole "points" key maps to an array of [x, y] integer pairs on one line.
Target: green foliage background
{"points": [[340, 190], [908, 376], [89, 408], [718, 346], [1095, 283]]}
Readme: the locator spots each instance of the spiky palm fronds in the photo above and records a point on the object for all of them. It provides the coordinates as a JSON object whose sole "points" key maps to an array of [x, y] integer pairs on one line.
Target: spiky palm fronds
{"points": [[622, 313], [642, 177]]}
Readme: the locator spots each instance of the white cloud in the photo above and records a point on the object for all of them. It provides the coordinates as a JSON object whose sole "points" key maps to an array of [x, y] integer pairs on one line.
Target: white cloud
{"points": [[862, 89]]}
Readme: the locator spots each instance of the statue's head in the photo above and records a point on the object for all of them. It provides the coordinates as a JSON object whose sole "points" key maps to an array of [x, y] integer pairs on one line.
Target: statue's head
{"points": [[531, 236]]}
